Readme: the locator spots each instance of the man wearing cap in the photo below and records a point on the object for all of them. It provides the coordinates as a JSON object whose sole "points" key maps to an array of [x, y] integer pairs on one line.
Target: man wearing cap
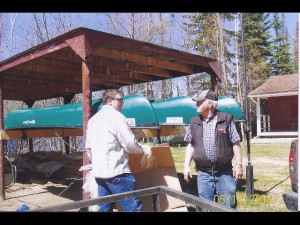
{"points": [[213, 140]]}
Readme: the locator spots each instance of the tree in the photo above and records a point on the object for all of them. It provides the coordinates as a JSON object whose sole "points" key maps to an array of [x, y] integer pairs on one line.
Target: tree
{"points": [[258, 48], [1, 34], [296, 49], [149, 27], [210, 38], [257, 53], [281, 62]]}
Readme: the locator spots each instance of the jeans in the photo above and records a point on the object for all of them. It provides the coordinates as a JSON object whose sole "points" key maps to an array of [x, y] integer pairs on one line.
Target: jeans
{"points": [[220, 188], [119, 184]]}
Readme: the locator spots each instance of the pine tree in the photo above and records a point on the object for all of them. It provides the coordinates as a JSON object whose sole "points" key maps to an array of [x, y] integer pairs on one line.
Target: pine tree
{"points": [[257, 48], [211, 39], [296, 49], [257, 53], [280, 61]]}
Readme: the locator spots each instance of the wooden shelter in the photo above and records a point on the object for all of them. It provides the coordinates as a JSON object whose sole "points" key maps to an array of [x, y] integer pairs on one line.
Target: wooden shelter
{"points": [[83, 61], [277, 106]]}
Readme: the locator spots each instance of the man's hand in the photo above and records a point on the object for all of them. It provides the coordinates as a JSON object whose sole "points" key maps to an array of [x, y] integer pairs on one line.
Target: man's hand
{"points": [[187, 174], [147, 159], [238, 173], [89, 153], [188, 158]]}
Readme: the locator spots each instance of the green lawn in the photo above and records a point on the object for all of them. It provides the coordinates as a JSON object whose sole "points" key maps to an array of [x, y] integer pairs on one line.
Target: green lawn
{"points": [[270, 176]]}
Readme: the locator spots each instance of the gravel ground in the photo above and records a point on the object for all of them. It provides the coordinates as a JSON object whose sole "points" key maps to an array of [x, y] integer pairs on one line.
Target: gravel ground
{"points": [[39, 195], [47, 194]]}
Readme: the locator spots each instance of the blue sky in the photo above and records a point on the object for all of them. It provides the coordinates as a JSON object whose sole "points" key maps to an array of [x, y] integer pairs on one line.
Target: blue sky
{"points": [[91, 20], [291, 20]]}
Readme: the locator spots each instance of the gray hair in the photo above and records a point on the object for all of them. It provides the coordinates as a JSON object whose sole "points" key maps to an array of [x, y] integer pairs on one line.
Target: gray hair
{"points": [[214, 103]]}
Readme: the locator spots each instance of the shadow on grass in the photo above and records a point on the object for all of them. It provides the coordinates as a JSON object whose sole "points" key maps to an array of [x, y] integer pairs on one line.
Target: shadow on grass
{"points": [[241, 186], [72, 192]]}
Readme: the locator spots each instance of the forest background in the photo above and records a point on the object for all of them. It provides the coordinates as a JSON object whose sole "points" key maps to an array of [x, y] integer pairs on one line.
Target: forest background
{"points": [[270, 48]]}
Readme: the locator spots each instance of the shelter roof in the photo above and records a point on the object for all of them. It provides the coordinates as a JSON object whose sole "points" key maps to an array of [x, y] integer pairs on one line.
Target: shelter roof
{"points": [[277, 85], [54, 68]]}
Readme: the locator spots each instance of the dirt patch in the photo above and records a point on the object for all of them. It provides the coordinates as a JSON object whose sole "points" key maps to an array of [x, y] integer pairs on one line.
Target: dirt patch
{"points": [[259, 160], [39, 195]]}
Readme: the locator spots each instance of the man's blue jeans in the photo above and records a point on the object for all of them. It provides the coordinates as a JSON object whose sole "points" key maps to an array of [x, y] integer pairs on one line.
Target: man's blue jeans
{"points": [[119, 184], [220, 188]]}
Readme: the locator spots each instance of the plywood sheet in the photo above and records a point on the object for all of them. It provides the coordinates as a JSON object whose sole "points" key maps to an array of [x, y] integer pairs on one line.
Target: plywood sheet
{"points": [[162, 172]]}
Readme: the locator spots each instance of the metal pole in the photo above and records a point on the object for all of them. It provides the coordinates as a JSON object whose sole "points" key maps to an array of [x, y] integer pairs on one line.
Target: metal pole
{"points": [[249, 167]]}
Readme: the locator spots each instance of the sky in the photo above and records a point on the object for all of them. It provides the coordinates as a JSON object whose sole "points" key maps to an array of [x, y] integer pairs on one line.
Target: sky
{"points": [[91, 20], [291, 20]]}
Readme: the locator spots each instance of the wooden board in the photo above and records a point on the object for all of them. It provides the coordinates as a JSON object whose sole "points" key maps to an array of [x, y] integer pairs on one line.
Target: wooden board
{"points": [[162, 172], [164, 130]]}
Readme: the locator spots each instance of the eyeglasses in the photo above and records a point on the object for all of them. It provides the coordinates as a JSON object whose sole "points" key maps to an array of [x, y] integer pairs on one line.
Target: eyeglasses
{"points": [[199, 102], [118, 99]]}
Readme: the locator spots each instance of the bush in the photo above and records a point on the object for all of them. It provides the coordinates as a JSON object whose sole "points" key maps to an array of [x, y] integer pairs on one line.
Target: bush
{"points": [[177, 140]]}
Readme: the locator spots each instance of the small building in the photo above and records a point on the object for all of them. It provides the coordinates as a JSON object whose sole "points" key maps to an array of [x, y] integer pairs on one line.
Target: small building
{"points": [[277, 106]]}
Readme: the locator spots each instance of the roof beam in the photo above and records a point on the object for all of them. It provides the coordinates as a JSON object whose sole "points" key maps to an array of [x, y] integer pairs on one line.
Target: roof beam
{"points": [[129, 66], [28, 86], [145, 60], [130, 45], [59, 59], [39, 133]]}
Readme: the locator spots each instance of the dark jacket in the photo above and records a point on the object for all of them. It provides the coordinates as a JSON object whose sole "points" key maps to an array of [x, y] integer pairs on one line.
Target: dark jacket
{"points": [[223, 144]]}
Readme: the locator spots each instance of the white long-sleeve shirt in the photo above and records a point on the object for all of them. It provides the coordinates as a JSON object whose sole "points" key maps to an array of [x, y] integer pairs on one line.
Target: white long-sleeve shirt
{"points": [[110, 139]]}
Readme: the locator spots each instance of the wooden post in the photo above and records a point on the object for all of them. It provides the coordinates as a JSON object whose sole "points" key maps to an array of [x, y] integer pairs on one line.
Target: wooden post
{"points": [[86, 110], [67, 100], [30, 141], [214, 84]]}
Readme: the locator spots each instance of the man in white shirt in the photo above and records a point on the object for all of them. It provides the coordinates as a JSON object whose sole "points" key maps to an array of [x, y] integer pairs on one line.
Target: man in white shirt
{"points": [[110, 140]]}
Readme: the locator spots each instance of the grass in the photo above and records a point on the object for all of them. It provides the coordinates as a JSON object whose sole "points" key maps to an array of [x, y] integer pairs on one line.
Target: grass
{"points": [[270, 176]]}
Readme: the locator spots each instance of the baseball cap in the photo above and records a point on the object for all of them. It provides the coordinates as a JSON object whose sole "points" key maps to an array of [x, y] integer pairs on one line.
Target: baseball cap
{"points": [[206, 94]]}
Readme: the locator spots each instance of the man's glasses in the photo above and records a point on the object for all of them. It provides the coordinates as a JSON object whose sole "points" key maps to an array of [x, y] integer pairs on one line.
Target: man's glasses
{"points": [[199, 102], [118, 99]]}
